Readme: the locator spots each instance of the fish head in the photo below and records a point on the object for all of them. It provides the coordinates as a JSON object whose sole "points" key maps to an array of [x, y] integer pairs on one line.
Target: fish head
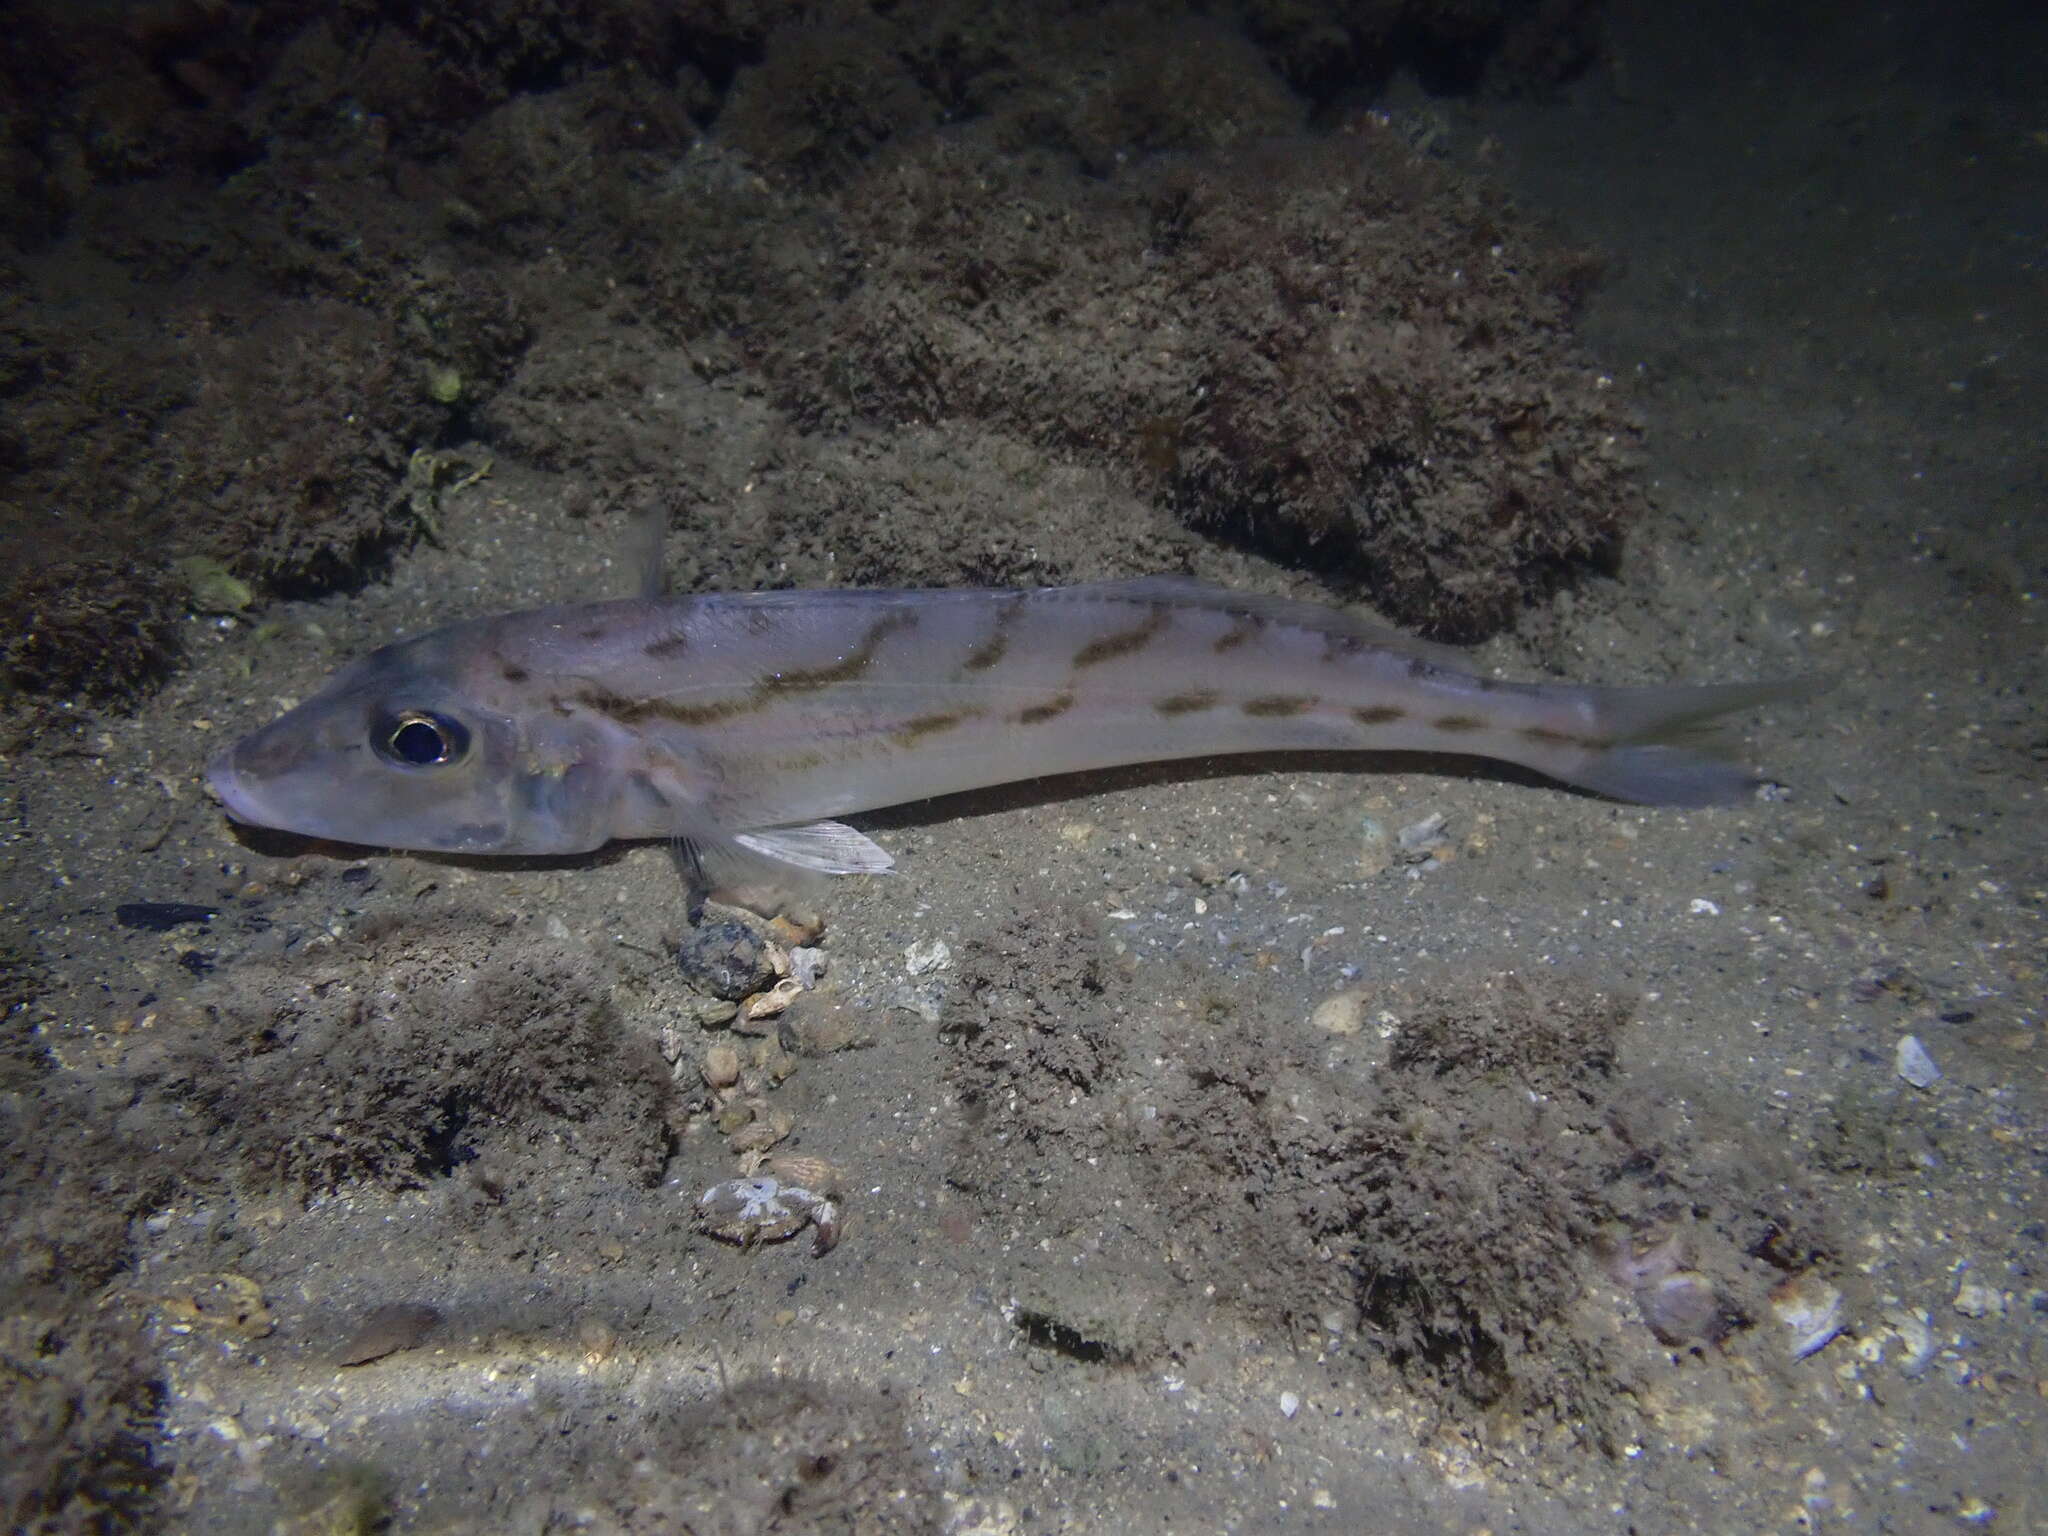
{"points": [[398, 754]]}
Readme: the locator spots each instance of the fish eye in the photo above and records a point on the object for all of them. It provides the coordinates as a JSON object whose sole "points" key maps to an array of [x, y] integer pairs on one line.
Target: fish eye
{"points": [[420, 738]]}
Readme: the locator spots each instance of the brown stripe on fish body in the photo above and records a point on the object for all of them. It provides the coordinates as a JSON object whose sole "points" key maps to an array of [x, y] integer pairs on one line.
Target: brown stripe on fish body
{"points": [[668, 647], [848, 667], [670, 711], [922, 727], [1549, 736], [997, 643], [1458, 725], [806, 761], [1124, 642], [1243, 627], [1279, 706], [1189, 703], [1051, 709], [1379, 714]]}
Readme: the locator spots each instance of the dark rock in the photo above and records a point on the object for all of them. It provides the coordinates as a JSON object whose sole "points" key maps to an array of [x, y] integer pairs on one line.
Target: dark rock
{"points": [[161, 916], [727, 960]]}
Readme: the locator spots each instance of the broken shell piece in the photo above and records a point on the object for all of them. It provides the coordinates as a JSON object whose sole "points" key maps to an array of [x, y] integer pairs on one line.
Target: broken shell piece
{"points": [[1912, 1063], [1811, 1308], [772, 1003], [806, 964], [808, 1171], [766, 1210]]}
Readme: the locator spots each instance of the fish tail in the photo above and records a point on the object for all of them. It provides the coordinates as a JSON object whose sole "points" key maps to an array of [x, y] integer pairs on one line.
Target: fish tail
{"points": [[1669, 745]]}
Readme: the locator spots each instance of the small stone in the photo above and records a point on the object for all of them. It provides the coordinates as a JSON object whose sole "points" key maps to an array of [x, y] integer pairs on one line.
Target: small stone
{"points": [[1290, 1405], [798, 928], [713, 1012], [599, 1339], [386, 1331], [1914, 1064], [1976, 1299], [733, 1118], [1375, 848], [1342, 1013], [211, 587], [757, 1136], [926, 1001], [721, 1066], [1682, 1308], [772, 1060]]}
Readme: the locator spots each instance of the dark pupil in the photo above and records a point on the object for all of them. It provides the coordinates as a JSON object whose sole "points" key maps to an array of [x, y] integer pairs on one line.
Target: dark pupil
{"points": [[419, 742]]}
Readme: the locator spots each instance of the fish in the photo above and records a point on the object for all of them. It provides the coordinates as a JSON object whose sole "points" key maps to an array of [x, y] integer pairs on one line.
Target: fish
{"points": [[743, 726]]}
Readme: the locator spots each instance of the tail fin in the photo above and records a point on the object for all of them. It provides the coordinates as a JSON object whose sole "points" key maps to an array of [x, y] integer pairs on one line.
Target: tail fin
{"points": [[1666, 745]]}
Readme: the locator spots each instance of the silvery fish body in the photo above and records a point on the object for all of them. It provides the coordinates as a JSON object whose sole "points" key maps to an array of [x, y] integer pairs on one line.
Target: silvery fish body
{"points": [[747, 723]]}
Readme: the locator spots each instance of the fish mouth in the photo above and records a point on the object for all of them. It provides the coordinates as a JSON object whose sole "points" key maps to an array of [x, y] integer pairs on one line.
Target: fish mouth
{"points": [[227, 788]]}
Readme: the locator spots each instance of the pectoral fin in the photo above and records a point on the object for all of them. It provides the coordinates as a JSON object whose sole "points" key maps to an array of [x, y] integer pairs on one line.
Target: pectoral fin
{"points": [[819, 847]]}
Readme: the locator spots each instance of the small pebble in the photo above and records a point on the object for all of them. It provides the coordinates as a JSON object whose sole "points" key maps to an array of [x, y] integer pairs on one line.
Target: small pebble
{"points": [[1682, 1308], [1290, 1405], [1914, 1064], [721, 1066], [923, 959], [1343, 1013], [798, 928], [1976, 1299]]}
